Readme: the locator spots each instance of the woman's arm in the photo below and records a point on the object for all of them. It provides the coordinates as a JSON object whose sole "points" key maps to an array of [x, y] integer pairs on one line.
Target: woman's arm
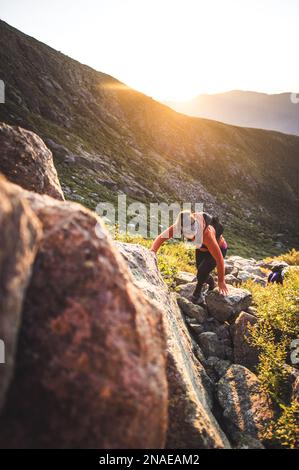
{"points": [[213, 247], [166, 235]]}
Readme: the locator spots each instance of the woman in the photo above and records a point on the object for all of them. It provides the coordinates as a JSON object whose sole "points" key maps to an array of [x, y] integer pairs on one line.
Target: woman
{"points": [[206, 232]]}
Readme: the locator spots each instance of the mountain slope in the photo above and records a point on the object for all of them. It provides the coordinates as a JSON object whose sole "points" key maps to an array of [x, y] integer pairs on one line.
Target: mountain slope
{"points": [[245, 108], [107, 138]]}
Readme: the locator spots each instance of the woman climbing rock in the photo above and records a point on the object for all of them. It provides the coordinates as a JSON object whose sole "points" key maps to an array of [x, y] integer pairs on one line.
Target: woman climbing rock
{"points": [[205, 232]]}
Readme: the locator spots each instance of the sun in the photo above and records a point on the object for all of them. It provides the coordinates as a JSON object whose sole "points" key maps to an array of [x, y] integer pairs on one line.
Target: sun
{"points": [[166, 87]]}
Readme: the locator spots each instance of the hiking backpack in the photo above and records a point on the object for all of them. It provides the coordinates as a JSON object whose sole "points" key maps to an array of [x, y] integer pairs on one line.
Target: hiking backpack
{"points": [[214, 221]]}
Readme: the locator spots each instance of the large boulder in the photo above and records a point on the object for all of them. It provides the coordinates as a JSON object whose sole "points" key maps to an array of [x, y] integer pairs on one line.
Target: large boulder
{"points": [[239, 270], [231, 279], [19, 237], [246, 407], [239, 262], [91, 362], [244, 352], [255, 270], [191, 421], [183, 277], [211, 345], [195, 326], [243, 276], [25, 160], [192, 310], [186, 290], [217, 367], [260, 280], [229, 266], [225, 307]]}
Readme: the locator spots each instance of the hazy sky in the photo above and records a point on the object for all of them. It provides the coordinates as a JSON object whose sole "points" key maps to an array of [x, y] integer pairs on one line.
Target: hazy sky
{"points": [[172, 49]]}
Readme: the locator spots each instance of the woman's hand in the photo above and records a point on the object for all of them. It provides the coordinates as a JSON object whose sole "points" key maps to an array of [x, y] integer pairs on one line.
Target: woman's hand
{"points": [[223, 289]]}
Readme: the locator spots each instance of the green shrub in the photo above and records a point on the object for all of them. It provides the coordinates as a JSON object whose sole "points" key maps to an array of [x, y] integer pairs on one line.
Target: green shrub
{"points": [[277, 325], [284, 431]]}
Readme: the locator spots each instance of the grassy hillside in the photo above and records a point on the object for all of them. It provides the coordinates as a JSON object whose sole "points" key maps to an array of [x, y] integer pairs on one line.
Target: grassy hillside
{"points": [[108, 139]]}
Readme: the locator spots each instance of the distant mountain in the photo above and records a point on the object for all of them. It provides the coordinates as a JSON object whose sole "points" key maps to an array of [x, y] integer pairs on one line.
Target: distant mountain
{"points": [[245, 108], [107, 138]]}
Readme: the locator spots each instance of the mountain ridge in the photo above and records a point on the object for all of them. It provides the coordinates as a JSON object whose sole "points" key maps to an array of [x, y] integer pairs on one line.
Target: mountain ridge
{"points": [[245, 108]]}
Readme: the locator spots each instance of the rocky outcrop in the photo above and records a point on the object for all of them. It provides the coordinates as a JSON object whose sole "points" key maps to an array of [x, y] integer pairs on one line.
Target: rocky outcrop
{"points": [[226, 307], [25, 160], [191, 421], [209, 328], [239, 270], [221, 336], [19, 237], [246, 408], [270, 264], [90, 366], [244, 352]]}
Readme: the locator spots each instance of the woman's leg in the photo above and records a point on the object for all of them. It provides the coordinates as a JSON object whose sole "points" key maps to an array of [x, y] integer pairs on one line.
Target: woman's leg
{"points": [[205, 263], [210, 281]]}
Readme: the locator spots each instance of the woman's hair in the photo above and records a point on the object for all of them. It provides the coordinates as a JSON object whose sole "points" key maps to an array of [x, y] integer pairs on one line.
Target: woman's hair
{"points": [[183, 220]]}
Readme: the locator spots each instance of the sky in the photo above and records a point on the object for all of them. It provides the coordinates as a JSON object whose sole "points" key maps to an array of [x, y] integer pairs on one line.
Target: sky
{"points": [[172, 49]]}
